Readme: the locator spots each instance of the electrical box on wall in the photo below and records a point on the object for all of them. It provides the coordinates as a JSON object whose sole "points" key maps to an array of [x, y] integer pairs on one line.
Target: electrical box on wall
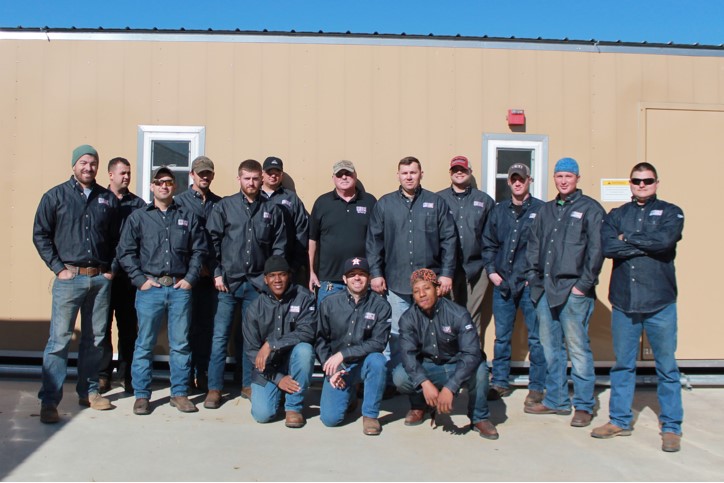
{"points": [[516, 117]]}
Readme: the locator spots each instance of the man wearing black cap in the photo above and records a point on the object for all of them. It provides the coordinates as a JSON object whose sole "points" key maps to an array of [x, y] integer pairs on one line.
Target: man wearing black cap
{"points": [[441, 354], [296, 218], [337, 229], [75, 232], [245, 230], [279, 328], [469, 208], [201, 201], [505, 241], [123, 293], [354, 326], [162, 249]]}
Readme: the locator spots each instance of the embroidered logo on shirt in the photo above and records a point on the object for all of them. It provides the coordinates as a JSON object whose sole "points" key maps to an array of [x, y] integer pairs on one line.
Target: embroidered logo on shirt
{"points": [[656, 212], [266, 214], [362, 210], [532, 215], [287, 202], [294, 309], [679, 216], [469, 326], [479, 203], [103, 201], [311, 308], [369, 316], [183, 222], [428, 205], [577, 214], [447, 329]]}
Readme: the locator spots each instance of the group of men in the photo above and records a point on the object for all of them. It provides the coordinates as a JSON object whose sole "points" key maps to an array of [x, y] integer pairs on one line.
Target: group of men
{"points": [[399, 283]]}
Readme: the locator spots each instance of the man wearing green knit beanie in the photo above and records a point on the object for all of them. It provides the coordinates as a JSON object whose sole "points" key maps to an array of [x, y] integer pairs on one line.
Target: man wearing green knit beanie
{"points": [[81, 151]]}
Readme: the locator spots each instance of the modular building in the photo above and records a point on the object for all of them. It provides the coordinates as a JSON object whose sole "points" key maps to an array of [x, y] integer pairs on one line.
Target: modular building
{"points": [[164, 97]]}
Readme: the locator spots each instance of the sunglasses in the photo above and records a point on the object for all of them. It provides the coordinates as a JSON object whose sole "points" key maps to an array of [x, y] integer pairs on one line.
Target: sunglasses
{"points": [[342, 174], [646, 181], [163, 182]]}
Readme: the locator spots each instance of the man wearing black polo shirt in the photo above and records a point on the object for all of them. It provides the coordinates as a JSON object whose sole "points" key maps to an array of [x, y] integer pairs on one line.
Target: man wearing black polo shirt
{"points": [[337, 229]]}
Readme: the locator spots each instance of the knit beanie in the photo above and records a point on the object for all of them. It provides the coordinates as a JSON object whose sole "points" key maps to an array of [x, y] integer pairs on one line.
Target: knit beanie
{"points": [[81, 151]]}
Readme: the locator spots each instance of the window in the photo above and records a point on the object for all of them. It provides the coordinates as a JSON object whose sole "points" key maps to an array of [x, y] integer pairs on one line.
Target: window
{"points": [[172, 146], [501, 151]]}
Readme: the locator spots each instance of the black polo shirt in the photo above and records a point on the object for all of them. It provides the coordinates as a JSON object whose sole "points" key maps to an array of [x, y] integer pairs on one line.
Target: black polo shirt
{"points": [[339, 228]]}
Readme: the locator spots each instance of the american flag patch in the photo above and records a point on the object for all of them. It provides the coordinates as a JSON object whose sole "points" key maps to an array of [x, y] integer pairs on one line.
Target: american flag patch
{"points": [[428, 205], [362, 210], [294, 309], [447, 329], [266, 214], [656, 212], [577, 214], [469, 326], [369, 316], [532, 215], [481, 204], [183, 222], [287, 202], [103, 201]]}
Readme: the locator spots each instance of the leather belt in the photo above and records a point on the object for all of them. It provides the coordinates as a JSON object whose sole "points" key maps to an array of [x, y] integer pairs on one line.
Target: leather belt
{"points": [[88, 271]]}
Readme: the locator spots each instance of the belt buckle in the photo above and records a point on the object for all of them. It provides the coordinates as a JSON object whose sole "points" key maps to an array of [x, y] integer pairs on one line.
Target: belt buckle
{"points": [[166, 281]]}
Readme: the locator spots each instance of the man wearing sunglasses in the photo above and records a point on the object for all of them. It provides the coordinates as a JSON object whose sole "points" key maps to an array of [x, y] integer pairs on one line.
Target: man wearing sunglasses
{"points": [[162, 249], [641, 238]]}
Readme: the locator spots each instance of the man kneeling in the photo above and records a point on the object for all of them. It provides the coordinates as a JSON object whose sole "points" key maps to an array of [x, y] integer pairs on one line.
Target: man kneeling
{"points": [[440, 354], [279, 328], [354, 326]]}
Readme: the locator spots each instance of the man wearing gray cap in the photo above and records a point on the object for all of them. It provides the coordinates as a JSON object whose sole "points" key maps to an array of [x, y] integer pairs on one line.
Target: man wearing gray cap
{"points": [[75, 232], [201, 201], [296, 218], [337, 229]]}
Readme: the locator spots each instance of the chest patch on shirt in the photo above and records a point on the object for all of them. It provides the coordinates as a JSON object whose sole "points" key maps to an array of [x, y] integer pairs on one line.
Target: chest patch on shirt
{"points": [[656, 212], [481, 204], [183, 222], [469, 327], [266, 215], [447, 329], [294, 309], [362, 210], [103, 201], [532, 215], [428, 205], [287, 202], [577, 214], [369, 316]]}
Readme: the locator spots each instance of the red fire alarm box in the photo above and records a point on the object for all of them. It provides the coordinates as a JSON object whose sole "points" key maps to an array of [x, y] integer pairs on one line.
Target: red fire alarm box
{"points": [[516, 117]]}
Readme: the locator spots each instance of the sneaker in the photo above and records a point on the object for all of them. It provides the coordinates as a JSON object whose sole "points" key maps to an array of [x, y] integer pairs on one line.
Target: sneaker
{"points": [[183, 404], [142, 406], [533, 397], [609, 430], [213, 399], [96, 401], [371, 426], [49, 414], [497, 392], [670, 442]]}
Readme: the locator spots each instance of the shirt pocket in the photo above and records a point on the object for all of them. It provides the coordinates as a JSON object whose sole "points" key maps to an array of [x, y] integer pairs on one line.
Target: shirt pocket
{"points": [[430, 221], [263, 231], [574, 228], [180, 238]]}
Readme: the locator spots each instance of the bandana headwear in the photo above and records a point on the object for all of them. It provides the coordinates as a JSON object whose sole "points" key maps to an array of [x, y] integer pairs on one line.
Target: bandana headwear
{"points": [[424, 274]]}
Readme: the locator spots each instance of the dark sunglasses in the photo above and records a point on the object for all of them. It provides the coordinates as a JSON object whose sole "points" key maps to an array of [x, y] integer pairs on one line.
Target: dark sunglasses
{"points": [[646, 181], [163, 182], [343, 173]]}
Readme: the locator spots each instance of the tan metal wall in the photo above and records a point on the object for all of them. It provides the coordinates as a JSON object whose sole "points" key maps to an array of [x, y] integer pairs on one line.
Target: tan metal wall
{"points": [[313, 104]]}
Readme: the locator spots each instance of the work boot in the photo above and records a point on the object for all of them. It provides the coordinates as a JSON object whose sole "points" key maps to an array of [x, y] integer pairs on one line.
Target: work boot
{"points": [[213, 399], [183, 404], [533, 397], [486, 429], [670, 442], [246, 392], [294, 419], [497, 392], [49, 414], [96, 401], [141, 407], [104, 384], [581, 419], [540, 408], [371, 426], [414, 417], [609, 430]]}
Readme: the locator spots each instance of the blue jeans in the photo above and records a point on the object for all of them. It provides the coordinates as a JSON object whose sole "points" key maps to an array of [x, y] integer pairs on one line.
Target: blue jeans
{"points": [[265, 399], [567, 326], [153, 306], [91, 297], [477, 387], [399, 303], [204, 300], [504, 312], [327, 288], [227, 303], [334, 402], [661, 331]]}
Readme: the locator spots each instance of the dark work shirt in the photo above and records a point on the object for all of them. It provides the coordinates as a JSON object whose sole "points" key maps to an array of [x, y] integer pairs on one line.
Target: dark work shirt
{"points": [[192, 200], [643, 279], [449, 337], [244, 235], [73, 229], [339, 228], [354, 329], [470, 210], [505, 240], [405, 235], [154, 243], [564, 248], [283, 323], [296, 221], [128, 204]]}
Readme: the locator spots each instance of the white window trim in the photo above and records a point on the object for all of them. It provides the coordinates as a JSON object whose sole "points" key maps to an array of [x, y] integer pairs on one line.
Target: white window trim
{"points": [[537, 143], [196, 135]]}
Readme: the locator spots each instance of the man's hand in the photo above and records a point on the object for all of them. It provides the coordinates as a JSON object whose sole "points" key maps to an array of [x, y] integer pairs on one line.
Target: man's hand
{"points": [[332, 364], [379, 285], [575, 291], [219, 284], [262, 356], [444, 287], [65, 274], [108, 275], [149, 284], [336, 380], [430, 392], [445, 401], [289, 385], [313, 281], [182, 284], [496, 279]]}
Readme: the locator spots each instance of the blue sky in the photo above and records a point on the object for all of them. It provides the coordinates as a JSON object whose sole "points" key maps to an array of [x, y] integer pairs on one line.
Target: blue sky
{"points": [[684, 22]]}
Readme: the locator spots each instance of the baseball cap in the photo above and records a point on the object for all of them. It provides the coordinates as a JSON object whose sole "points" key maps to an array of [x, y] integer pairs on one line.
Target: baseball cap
{"points": [[343, 166], [202, 163], [520, 169], [272, 162], [460, 161], [162, 170], [356, 263]]}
